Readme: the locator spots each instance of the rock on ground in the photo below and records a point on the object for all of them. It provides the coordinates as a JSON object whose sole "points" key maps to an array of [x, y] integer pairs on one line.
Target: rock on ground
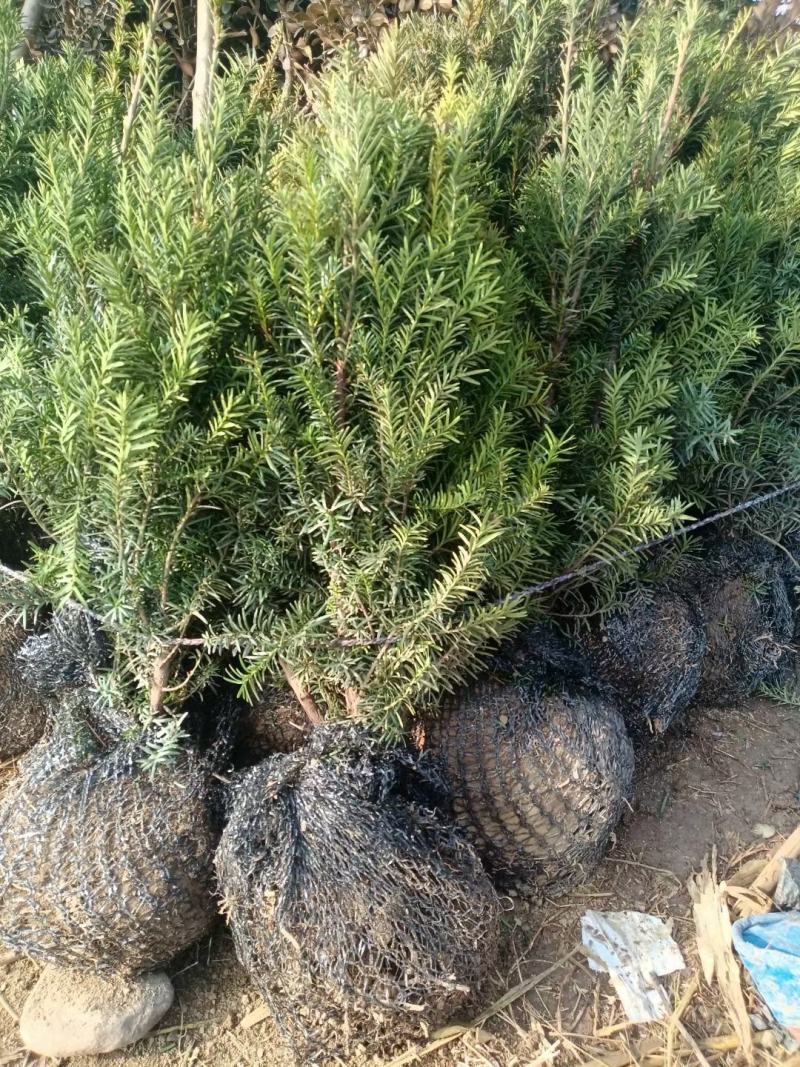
{"points": [[70, 1013]]}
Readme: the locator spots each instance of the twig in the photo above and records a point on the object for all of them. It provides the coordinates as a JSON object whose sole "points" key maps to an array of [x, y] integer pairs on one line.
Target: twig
{"points": [[136, 92], [792, 559], [567, 79], [692, 1045], [254, 1017], [76, 605], [677, 1016], [8, 1009], [306, 700], [183, 1026], [185, 519], [159, 679], [644, 867], [508, 998]]}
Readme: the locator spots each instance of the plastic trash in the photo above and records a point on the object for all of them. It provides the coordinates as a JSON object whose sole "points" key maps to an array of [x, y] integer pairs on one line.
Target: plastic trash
{"points": [[769, 947], [636, 950]]}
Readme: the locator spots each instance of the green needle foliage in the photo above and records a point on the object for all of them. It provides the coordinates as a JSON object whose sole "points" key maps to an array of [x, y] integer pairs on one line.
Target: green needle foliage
{"points": [[328, 383], [125, 403], [659, 230], [32, 100], [653, 292], [395, 362]]}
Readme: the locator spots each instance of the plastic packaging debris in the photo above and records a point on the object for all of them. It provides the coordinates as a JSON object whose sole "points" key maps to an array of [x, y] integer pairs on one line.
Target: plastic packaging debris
{"points": [[636, 950], [769, 947], [787, 894]]}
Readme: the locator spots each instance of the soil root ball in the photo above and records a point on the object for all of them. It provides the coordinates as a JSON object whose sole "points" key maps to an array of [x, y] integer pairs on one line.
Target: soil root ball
{"points": [[275, 722], [105, 865], [23, 711], [749, 623], [539, 779], [66, 656], [542, 652], [357, 911], [791, 571], [651, 657]]}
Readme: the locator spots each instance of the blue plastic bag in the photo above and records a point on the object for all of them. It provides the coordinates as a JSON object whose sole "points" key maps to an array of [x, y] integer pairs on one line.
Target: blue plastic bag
{"points": [[769, 947]]}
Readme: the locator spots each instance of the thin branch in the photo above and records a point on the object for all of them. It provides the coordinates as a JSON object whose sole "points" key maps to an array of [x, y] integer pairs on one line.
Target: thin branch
{"points": [[136, 92], [162, 670], [76, 605], [304, 697], [565, 99], [191, 508]]}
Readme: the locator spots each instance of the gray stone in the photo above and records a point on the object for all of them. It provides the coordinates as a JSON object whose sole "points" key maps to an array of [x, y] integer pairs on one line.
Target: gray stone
{"points": [[787, 894], [70, 1014]]}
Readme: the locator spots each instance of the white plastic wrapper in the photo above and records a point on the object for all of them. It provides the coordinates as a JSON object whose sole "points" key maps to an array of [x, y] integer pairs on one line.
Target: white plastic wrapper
{"points": [[635, 949]]}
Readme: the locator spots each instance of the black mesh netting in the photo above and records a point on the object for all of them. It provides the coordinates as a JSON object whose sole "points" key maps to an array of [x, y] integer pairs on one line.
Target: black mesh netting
{"points": [[650, 656], [274, 722], [539, 778], [104, 865], [358, 912], [542, 652], [791, 570], [23, 711], [66, 655], [745, 602]]}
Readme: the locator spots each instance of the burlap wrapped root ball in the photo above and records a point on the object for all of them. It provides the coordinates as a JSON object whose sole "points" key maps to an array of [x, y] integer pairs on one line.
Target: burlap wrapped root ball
{"points": [[539, 778], [105, 865], [23, 709], [749, 621], [361, 915], [650, 656]]}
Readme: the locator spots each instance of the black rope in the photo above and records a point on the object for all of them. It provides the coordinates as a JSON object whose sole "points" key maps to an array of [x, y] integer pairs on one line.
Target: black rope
{"points": [[637, 550], [598, 565], [510, 598]]}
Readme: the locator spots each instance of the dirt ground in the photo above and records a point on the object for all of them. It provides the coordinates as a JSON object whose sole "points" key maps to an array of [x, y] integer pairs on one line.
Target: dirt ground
{"points": [[729, 779]]}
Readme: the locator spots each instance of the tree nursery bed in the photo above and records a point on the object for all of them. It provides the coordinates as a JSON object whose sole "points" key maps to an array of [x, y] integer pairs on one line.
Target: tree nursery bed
{"points": [[728, 779]]}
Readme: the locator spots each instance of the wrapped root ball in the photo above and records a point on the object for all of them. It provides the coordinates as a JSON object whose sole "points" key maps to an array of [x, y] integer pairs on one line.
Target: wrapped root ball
{"points": [[273, 723], [791, 571], [542, 652], [539, 779], [66, 655], [23, 711], [651, 658], [105, 865], [358, 913], [749, 622]]}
